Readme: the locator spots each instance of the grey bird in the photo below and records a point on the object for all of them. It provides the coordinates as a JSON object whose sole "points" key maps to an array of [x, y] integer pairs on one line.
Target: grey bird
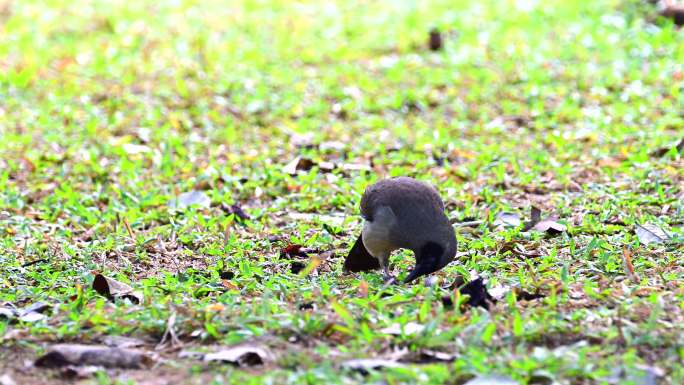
{"points": [[402, 213]]}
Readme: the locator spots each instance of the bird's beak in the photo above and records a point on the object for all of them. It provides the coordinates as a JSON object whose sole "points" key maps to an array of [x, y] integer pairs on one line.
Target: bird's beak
{"points": [[427, 261]]}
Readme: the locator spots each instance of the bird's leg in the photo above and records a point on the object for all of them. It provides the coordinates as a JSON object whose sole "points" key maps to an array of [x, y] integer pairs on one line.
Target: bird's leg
{"points": [[386, 275]]}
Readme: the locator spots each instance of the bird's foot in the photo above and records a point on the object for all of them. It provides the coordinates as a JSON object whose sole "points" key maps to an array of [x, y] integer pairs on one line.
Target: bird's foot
{"points": [[389, 279]]}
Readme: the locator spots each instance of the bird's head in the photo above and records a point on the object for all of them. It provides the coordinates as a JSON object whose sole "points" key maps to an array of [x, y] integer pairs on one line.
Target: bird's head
{"points": [[431, 257]]}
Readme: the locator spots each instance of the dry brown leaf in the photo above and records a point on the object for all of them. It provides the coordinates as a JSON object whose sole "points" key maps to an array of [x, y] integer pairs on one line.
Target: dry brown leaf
{"points": [[363, 289], [229, 285], [298, 164], [548, 225], [215, 308], [113, 289], [435, 40], [629, 268]]}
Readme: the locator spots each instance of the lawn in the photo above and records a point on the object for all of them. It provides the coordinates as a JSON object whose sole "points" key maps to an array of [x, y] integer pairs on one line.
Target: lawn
{"points": [[211, 156]]}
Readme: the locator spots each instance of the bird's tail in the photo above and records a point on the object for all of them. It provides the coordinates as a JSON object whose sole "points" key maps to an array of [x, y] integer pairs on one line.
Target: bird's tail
{"points": [[359, 259]]}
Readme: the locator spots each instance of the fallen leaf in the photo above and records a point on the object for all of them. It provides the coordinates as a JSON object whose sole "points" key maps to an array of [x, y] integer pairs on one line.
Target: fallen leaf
{"points": [[215, 308], [365, 365], [535, 214], [236, 210], [477, 293], [32, 317], [6, 379], [430, 281], [113, 289], [98, 355], [526, 296], [492, 380], [356, 167], [326, 166], [243, 355], [302, 140], [122, 341], [499, 292], [649, 233], [292, 251], [549, 226], [7, 312], [407, 329], [425, 356], [679, 146], [435, 41], [298, 164], [191, 198], [135, 149], [31, 313], [506, 220], [332, 146]]}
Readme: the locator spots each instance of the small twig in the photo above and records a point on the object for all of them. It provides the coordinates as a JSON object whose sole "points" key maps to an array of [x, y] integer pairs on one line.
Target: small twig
{"points": [[27, 264], [128, 229], [455, 222], [169, 339]]}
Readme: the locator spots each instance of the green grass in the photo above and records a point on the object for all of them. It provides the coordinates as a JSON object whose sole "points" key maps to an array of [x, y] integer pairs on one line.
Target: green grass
{"points": [[112, 109]]}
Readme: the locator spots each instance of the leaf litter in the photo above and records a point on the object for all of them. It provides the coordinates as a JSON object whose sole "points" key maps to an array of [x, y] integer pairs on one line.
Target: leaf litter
{"points": [[96, 355], [649, 233], [32, 313], [191, 198], [113, 289], [245, 355], [492, 380], [549, 225]]}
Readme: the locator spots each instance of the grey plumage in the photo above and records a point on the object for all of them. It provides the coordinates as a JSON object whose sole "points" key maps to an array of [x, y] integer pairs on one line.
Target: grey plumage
{"points": [[403, 213]]}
